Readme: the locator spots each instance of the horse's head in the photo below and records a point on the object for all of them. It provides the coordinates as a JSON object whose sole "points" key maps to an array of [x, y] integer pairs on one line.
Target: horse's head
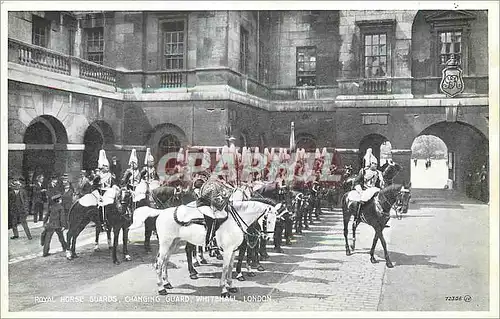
{"points": [[123, 199], [403, 201]]}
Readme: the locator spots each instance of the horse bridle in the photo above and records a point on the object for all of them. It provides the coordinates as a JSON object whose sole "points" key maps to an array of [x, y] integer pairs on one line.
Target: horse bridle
{"points": [[399, 204]]}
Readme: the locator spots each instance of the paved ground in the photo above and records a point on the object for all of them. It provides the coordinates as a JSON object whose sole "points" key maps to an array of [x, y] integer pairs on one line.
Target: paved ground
{"points": [[439, 250]]}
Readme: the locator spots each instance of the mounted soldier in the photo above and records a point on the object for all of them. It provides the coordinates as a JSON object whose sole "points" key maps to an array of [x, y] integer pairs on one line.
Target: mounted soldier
{"points": [[149, 174], [105, 181], [212, 202], [132, 175], [368, 182]]}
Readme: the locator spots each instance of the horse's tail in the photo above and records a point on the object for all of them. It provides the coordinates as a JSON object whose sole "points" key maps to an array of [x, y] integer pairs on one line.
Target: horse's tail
{"points": [[141, 214]]}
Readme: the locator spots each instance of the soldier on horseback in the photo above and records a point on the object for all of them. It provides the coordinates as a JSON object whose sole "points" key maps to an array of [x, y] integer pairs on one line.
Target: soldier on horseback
{"points": [[212, 202], [368, 182], [149, 174], [132, 175], [105, 180]]}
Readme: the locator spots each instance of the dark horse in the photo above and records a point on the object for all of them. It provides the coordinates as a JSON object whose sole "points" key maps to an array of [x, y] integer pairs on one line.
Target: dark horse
{"points": [[387, 198], [80, 215]]}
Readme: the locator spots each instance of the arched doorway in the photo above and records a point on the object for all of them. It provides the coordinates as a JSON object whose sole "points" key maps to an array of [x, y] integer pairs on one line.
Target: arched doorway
{"points": [[430, 167], [306, 141], [375, 142], [97, 136], [45, 140], [169, 144], [468, 151]]}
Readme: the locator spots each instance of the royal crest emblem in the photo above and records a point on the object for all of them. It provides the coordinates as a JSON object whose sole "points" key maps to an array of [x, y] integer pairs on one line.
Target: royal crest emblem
{"points": [[452, 82]]}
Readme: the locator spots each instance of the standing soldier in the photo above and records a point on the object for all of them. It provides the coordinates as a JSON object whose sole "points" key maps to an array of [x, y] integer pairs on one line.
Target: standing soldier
{"points": [[18, 209], [54, 222], [39, 198], [116, 168]]}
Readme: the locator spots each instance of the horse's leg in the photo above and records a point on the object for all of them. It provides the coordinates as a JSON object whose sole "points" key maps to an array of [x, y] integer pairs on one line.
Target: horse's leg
{"points": [[97, 233], [126, 256], [166, 283], [372, 250], [355, 224], [75, 231], [161, 264], [193, 274], [346, 216], [388, 262], [148, 230], [108, 234], [116, 233], [229, 279], [241, 254], [203, 261]]}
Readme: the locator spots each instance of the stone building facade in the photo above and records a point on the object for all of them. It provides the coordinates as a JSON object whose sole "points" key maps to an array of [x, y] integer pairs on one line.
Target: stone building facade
{"points": [[81, 81]]}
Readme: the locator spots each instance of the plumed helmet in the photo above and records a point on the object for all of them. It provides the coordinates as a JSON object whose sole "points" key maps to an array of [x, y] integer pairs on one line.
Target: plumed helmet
{"points": [[148, 158], [133, 157], [103, 160]]}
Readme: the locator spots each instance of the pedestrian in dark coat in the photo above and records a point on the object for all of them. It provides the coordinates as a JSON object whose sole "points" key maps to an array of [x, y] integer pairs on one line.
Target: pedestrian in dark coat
{"points": [[83, 185], [18, 209], [53, 222], [39, 198], [67, 201], [54, 188]]}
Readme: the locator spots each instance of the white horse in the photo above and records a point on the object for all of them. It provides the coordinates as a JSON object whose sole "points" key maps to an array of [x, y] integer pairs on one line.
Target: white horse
{"points": [[184, 223]]}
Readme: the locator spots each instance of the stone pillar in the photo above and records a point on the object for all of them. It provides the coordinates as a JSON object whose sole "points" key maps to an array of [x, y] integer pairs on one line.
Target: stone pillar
{"points": [[403, 158], [15, 163], [74, 163]]}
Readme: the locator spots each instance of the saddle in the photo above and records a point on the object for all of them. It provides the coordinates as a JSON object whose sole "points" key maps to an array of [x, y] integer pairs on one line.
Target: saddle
{"points": [[368, 195]]}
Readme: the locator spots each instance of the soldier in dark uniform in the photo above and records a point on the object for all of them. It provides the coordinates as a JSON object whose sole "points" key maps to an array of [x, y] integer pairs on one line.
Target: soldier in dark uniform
{"points": [[18, 209], [39, 197], [54, 222], [213, 194], [116, 168]]}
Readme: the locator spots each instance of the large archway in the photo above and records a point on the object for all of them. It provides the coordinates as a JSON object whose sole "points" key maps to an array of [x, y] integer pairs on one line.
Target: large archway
{"points": [[430, 168], [468, 150], [306, 141], [98, 135], [45, 140], [375, 142]]}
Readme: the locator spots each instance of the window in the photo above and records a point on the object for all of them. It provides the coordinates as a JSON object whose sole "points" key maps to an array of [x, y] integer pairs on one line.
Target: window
{"points": [[306, 66], [243, 50], [40, 31], [94, 45], [450, 35], [173, 45], [375, 55], [169, 144], [450, 42]]}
